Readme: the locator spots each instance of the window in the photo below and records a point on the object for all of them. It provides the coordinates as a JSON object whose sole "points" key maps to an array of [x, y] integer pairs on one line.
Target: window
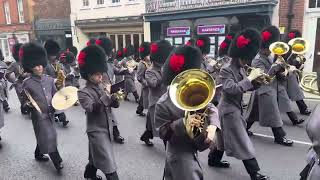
{"points": [[314, 3], [115, 1], [85, 3], [20, 11], [7, 12], [100, 2]]}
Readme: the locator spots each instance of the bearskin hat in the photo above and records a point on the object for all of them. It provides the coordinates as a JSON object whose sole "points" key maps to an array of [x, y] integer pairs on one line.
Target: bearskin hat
{"points": [[160, 50], [182, 58], [293, 34], [92, 59], [67, 57], [15, 51], [144, 50], [128, 51], [92, 41], [52, 47], [74, 50], [120, 54], [31, 55], [106, 44], [203, 42], [190, 42], [224, 47], [245, 45], [269, 35]]}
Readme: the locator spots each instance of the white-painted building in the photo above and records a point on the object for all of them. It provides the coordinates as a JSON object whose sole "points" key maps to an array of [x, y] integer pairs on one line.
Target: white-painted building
{"points": [[121, 20], [311, 31]]}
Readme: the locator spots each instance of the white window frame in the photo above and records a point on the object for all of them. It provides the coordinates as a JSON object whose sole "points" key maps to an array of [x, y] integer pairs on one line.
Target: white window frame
{"points": [[87, 6], [7, 12], [119, 1], [20, 11], [103, 3]]}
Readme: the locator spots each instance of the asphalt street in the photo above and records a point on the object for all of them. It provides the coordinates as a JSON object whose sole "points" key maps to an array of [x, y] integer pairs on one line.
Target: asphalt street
{"points": [[135, 161]]}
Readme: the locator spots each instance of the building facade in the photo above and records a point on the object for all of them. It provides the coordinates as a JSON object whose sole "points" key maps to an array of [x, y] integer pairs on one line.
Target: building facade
{"points": [[180, 20], [311, 32], [15, 24], [120, 20]]}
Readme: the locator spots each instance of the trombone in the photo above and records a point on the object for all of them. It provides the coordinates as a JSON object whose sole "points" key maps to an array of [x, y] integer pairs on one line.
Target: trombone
{"points": [[191, 91]]}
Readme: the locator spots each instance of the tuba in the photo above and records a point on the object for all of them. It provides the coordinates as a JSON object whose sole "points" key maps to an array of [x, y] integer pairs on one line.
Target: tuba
{"points": [[280, 49], [191, 91], [299, 47]]}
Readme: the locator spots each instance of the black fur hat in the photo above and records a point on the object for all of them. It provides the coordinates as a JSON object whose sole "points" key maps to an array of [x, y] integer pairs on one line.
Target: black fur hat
{"points": [[182, 58], [203, 42], [92, 59], [160, 50], [191, 42], [106, 44], [120, 54], [67, 57], [128, 51], [269, 35], [144, 50], [92, 41], [74, 50], [293, 34], [52, 47], [224, 47], [15, 51], [31, 55], [245, 45]]}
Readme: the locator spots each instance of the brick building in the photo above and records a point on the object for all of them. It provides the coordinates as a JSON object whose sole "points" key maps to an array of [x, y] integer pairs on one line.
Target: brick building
{"points": [[15, 24], [291, 19]]}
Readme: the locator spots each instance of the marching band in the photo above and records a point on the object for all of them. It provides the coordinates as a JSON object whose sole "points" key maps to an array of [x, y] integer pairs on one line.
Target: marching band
{"points": [[194, 102]]}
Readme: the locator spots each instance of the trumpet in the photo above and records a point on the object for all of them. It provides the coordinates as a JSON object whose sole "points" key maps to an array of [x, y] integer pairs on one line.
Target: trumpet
{"points": [[264, 79], [120, 95], [191, 91]]}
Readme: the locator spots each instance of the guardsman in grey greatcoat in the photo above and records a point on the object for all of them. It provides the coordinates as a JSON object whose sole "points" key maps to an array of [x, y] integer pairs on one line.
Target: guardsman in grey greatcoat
{"points": [[66, 59], [106, 45], [53, 49], [6, 95], [312, 170], [182, 149], [3, 87], [159, 50], [129, 76], [216, 154], [144, 64], [96, 100], [117, 64], [40, 88], [235, 82], [267, 102], [294, 91], [15, 74]]}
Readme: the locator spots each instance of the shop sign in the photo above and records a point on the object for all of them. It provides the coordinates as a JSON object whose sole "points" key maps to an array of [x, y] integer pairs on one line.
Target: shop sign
{"points": [[178, 31], [211, 29]]}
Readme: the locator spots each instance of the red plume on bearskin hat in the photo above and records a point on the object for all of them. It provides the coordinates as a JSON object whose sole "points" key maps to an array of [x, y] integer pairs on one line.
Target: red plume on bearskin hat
{"points": [[182, 58], [120, 55], [92, 59], [15, 51], [224, 46], [160, 50], [293, 34], [203, 42], [144, 50], [106, 44], [245, 45], [31, 55], [67, 57], [269, 35]]}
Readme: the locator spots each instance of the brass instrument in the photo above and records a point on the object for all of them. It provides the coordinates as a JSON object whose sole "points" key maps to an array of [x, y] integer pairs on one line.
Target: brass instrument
{"points": [[131, 65], [299, 47], [60, 76], [193, 90], [120, 95], [309, 83], [264, 79]]}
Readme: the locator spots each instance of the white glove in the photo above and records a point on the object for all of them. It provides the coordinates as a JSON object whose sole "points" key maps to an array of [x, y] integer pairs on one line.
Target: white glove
{"points": [[255, 73], [292, 68], [285, 73]]}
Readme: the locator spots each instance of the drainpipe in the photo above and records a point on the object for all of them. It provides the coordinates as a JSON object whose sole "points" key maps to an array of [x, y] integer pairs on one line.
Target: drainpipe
{"points": [[290, 14]]}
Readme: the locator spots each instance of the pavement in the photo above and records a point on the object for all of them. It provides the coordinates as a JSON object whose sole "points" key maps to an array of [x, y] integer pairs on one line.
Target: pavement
{"points": [[136, 161]]}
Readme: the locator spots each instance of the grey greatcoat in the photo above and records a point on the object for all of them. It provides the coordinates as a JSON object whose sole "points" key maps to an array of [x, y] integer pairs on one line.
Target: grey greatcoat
{"points": [[156, 89], [96, 104], [236, 140], [313, 132], [118, 65], [141, 71], [266, 97], [129, 78], [294, 91], [42, 90], [2, 87], [16, 69], [181, 154]]}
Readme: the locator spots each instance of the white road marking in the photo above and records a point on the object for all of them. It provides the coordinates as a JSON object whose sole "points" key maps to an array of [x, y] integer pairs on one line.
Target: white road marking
{"points": [[271, 137]]}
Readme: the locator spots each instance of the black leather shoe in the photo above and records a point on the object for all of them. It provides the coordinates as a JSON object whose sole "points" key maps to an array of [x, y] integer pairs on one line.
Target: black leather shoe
{"points": [[65, 123], [41, 158], [94, 178], [219, 164], [300, 121], [284, 141], [306, 112], [259, 176], [58, 166], [0, 145], [147, 142], [142, 114], [250, 133], [118, 139]]}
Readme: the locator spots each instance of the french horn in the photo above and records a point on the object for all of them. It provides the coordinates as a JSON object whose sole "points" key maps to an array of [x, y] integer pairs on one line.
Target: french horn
{"points": [[309, 83]]}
